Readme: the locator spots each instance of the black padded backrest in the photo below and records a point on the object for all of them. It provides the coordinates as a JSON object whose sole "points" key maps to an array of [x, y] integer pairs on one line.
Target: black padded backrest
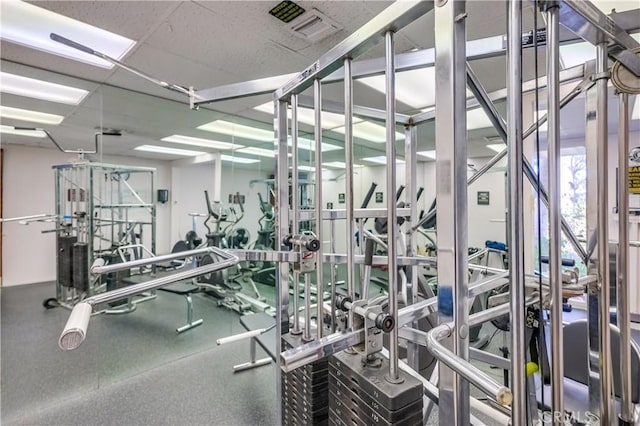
{"points": [[576, 361], [180, 246]]}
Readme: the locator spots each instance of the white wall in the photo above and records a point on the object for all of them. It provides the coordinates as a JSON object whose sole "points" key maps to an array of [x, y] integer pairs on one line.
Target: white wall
{"points": [[188, 184], [485, 222], [29, 255], [187, 195]]}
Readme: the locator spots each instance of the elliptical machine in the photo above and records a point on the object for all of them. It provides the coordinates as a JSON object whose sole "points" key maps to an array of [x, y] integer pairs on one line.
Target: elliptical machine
{"points": [[226, 285]]}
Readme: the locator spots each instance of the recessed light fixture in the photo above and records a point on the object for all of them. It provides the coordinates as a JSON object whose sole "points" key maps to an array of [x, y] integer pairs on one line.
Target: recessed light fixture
{"points": [[169, 151], [238, 130], [328, 120], [31, 26], [339, 165], [370, 131], [310, 145], [239, 160], [39, 89], [28, 115], [9, 130], [381, 159], [309, 169], [416, 88], [258, 151], [477, 119], [497, 147], [205, 143], [429, 154]]}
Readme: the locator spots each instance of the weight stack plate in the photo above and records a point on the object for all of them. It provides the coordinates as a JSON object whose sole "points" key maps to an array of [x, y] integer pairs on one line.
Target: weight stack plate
{"points": [[65, 260], [359, 394], [305, 390], [80, 266]]}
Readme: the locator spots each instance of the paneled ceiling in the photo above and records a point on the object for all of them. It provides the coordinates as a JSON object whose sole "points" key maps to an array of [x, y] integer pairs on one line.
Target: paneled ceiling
{"points": [[212, 43]]}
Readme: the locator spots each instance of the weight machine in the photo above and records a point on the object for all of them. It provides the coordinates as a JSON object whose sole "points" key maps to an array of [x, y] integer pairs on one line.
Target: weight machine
{"points": [[368, 383], [103, 211]]}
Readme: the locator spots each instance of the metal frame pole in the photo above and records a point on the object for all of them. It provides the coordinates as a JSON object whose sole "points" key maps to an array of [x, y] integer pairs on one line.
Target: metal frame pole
{"points": [[515, 238], [555, 257], [317, 103], [451, 196], [623, 294], [295, 199], [392, 221], [603, 233], [410, 148], [282, 227], [593, 300], [348, 152]]}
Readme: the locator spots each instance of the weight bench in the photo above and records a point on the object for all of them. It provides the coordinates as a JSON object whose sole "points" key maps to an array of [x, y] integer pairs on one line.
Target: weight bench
{"points": [[262, 330], [185, 289]]}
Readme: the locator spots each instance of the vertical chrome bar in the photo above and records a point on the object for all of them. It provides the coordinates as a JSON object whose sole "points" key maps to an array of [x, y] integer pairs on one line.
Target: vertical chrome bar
{"points": [[392, 221], [622, 294], [317, 110], [515, 217], [306, 335], [332, 274], [451, 196], [348, 153], [593, 301], [410, 148], [603, 234], [553, 161], [282, 229], [295, 200]]}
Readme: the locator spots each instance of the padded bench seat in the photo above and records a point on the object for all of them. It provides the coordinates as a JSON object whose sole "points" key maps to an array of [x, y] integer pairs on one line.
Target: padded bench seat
{"points": [[185, 288]]}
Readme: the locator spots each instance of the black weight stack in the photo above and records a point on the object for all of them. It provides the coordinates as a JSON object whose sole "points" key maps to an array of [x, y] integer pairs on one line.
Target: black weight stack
{"points": [[359, 394], [80, 266], [65, 260], [305, 390]]}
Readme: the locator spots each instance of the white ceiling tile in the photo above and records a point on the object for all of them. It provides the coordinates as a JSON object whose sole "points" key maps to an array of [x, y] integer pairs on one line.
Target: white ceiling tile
{"points": [[131, 19]]}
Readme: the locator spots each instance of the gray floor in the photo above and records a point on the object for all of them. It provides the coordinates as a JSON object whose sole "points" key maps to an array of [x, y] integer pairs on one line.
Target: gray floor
{"points": [[132, 369]]}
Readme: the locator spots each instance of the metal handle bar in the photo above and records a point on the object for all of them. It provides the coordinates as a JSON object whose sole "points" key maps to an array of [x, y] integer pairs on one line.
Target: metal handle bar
{"points": [[75, 330], [97, 268]]}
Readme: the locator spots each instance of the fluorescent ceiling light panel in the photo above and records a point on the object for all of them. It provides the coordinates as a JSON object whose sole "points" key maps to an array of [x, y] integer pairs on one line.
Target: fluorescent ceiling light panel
{"points": [[339, 165], [310, 145], [416, 88], [8, 130], [39, 89], [381, 159], [258, 151], [429, 154], [577, 53], [238, 130], [30, 26], [28, 115], [239, 160], [309, 169], [329, 120], [205, 143], [497, 147], [477, 119], [370, 131], [169, 151]]}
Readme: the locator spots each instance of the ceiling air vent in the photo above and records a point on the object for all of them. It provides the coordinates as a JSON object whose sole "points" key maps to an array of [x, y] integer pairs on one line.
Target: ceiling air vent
{"points": [[314, 26]]}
